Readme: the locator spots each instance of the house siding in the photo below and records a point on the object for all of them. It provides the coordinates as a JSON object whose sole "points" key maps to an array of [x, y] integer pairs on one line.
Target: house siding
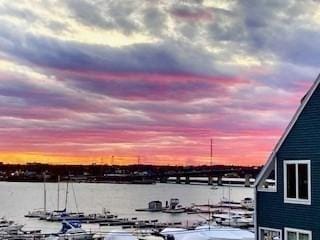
{"points": [[302, 143]]}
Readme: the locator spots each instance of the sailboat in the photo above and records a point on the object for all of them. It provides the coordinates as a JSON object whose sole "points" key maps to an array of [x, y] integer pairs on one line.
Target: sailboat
{"points": [[9, 226], [231, 213], [44, 213], [40, 213], [71, 230], [60, 215]]}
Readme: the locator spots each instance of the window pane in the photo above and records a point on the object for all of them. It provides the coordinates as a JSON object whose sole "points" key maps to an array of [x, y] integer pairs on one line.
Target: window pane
{"points": [[303, 181], [292, 236], [291, 181], [303, 236], [270, 235]]}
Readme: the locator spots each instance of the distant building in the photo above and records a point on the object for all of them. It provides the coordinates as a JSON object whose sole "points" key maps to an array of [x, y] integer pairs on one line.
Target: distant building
{"points": [[290, 209], [232, 175], [155, 206]]}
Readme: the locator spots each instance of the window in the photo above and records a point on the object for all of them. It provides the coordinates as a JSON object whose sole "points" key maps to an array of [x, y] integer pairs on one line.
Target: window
{"points": [[269, 234], [268, 181], [297, 234], [297, 182]]}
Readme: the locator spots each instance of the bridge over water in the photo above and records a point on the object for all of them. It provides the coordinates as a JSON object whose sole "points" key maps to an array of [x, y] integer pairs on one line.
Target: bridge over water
{"points": [[210, 176]]}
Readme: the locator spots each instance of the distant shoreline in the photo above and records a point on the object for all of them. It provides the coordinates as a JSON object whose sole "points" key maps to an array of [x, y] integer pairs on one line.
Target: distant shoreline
{"points": [[132, 174]]}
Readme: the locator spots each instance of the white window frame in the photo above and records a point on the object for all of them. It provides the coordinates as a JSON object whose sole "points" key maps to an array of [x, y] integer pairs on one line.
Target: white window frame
{"points": [[272, 188], [269, 229], [296, 200], [286, 230]]}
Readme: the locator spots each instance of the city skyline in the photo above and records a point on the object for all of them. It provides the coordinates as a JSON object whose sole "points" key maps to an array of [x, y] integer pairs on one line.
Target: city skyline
{"points": [[152, 81]]}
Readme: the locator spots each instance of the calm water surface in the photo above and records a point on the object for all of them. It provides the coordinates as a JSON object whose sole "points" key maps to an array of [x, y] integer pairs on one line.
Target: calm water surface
{"points": [[17, 199]]}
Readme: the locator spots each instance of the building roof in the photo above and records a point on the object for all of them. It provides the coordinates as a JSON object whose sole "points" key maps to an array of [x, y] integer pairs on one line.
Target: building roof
{"points": [[209, 233], [303, 104]]}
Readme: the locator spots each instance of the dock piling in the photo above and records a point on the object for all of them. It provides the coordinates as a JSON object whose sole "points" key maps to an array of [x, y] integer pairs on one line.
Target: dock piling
{"points": [[219, 181], [247, 180], [187, 181], [178, 179], [210, 180]]}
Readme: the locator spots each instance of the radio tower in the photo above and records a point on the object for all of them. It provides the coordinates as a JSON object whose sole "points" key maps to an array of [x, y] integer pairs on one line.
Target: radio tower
{"points": [[211, 151]]}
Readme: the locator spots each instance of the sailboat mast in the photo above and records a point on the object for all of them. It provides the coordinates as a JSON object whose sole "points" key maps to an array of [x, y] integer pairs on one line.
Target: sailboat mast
{"points": [[44, 194], [209, 220], [67, 192], [229, 209], [58, 193]]}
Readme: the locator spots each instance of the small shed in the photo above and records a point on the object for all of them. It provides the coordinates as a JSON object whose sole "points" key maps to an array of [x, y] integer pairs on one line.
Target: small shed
{"points": [[155, 206]]}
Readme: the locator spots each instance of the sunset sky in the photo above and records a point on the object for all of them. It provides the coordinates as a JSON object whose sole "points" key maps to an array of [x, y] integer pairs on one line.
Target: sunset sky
{"points": [[81, 80]]}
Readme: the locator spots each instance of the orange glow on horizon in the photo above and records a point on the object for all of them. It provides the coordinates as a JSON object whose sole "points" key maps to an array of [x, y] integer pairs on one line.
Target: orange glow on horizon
{"points": [[44, 158]]}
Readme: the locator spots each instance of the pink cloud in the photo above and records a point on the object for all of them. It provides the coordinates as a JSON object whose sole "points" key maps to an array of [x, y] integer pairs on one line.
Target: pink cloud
{"points": [[152, 86], [192, 14]]}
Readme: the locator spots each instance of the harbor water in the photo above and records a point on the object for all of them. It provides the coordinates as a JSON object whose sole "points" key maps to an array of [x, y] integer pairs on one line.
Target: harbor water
{"points": [[120, 199]]}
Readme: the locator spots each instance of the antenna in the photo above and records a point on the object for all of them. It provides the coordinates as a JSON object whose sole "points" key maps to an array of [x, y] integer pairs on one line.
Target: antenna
{"points": [[211, 151]]}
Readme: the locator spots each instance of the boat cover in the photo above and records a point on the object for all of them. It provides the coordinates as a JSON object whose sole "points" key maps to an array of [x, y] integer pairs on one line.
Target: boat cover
{"points": [[211, 234], [117, 235], [171, 230]]}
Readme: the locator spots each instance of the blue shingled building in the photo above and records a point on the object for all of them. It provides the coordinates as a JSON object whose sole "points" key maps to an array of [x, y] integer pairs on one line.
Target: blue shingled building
{"points": [[289, 209]]}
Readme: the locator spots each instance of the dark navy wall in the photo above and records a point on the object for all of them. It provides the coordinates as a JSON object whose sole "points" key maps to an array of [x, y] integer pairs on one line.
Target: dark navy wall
{"points": [[302, 143]]}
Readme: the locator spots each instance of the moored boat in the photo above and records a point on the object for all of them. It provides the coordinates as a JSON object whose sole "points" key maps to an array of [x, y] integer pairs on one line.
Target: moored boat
{"points": [[175, 210], [226, 203], [4, 222], [241, 219], [9, 226], [174, 207], [58, 217], [247, 203], [37, 213], [208, 233], [71, 230]]}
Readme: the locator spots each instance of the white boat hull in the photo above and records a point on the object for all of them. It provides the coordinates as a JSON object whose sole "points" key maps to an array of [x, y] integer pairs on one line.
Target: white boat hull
{"points": [[11, 228], [76, 236]]}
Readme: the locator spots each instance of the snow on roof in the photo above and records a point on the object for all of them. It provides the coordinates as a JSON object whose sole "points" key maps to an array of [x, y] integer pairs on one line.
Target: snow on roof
{"points": [[212, 234], [172, 230], [118, 235]]}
